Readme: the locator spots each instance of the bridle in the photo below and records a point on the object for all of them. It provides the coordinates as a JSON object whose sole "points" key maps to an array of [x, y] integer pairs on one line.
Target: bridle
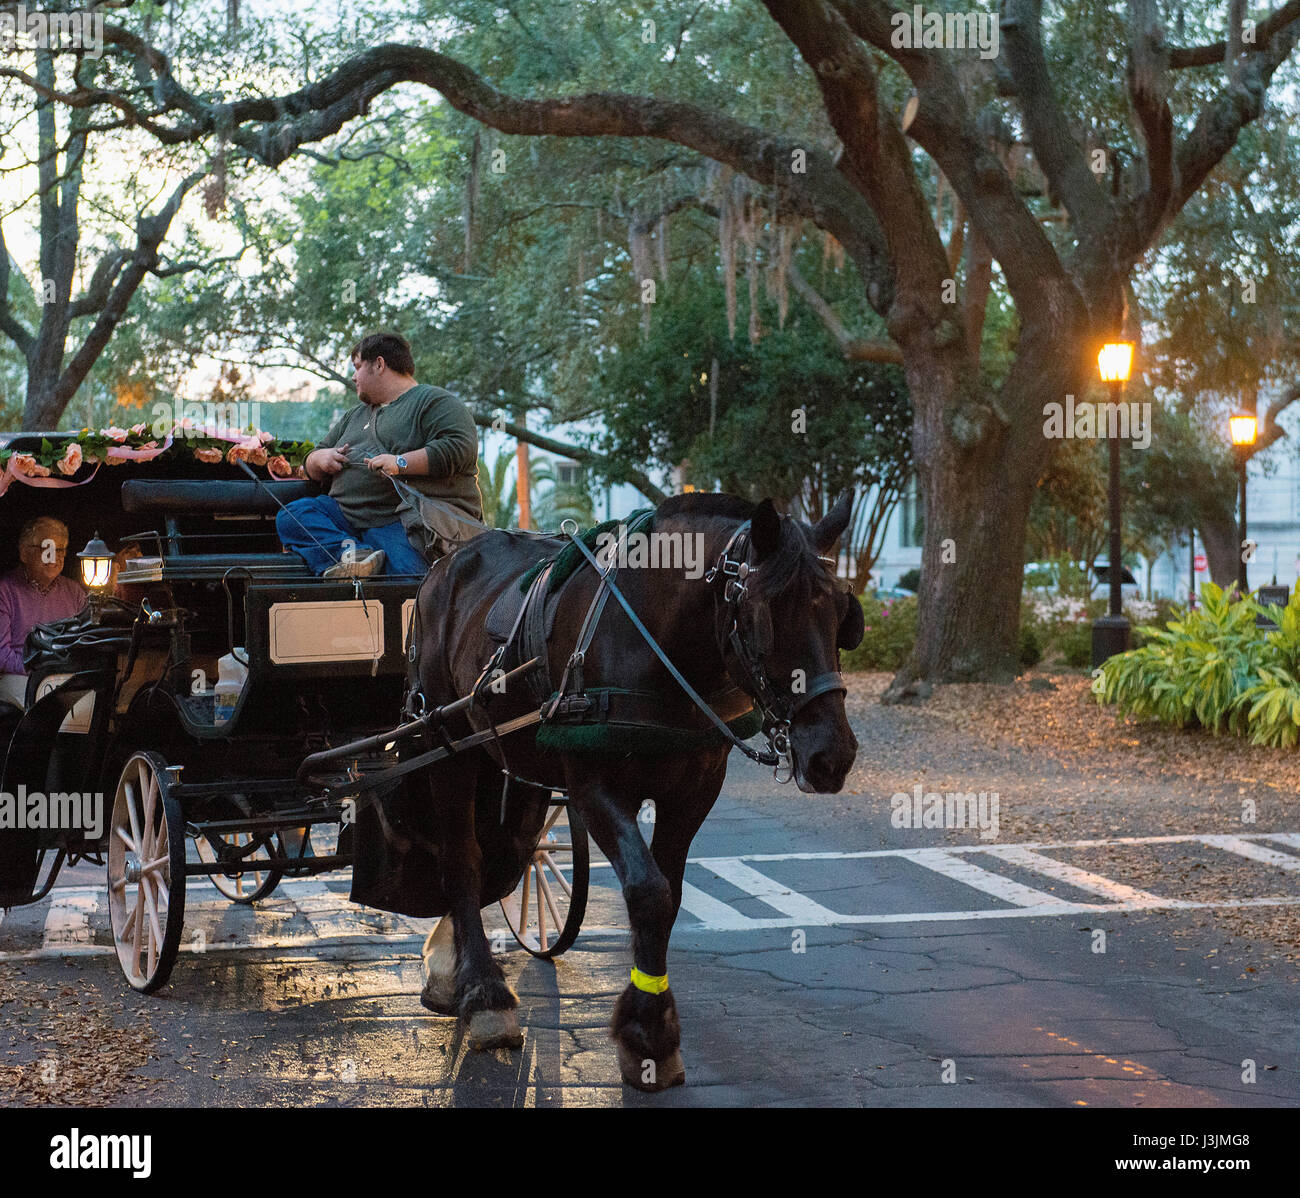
{"points": [[744, 661]]}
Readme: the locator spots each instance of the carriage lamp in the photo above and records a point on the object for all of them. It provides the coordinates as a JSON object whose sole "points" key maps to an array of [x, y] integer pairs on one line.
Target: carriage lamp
{"points": [[1110, 633], [96, 564], [1242, 428]]}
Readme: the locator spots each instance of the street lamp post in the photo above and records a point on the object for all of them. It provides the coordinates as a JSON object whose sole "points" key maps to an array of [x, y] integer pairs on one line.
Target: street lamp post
{"points": [[1242, 426], [1110, 633]]}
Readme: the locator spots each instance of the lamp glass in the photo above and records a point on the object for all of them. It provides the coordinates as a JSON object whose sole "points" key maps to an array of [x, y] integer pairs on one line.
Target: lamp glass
{"points": [[1115, 361], [96, 563], [1243, 427]]}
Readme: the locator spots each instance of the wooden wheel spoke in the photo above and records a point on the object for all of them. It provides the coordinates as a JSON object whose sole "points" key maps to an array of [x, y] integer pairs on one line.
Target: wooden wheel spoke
{"points": [[137, 929], [559, 875], [125, 837], [156, 864], [131, 813], [152, 907], [523, 899], [544, 887], [541, 914], [555, 814]]}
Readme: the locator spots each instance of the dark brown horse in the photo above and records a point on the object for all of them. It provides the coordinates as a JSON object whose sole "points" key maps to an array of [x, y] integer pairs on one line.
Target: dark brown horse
{"points": [[791, 614]]}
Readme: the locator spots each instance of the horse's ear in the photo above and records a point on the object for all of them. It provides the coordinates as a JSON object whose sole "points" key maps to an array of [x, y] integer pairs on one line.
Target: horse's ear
{"points": [[828, 529], [765, 529]]}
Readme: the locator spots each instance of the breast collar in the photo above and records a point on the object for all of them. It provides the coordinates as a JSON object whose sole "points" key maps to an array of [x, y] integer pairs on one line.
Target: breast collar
{"points": [[778, 707]]}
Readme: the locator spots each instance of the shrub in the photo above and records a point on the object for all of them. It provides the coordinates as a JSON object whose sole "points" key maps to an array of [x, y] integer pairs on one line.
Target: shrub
{"points": [[890, 633], [911, 581], [1031, 647], [1213, 668]]}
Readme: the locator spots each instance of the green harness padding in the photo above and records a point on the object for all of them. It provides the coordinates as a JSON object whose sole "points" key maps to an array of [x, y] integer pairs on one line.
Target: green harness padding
{"points": [[624, 737], [570, 558]]}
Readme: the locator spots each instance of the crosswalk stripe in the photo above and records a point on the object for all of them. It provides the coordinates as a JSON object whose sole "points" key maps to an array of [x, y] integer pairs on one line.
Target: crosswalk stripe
{"points": [[68, 919], [713, 913], [1255, 852], [1080, 879], [972, 875], [1289, 838], [760, 886]]}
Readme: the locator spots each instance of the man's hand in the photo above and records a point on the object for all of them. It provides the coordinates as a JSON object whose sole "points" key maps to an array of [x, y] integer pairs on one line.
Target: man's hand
{"points": [[327, 461], [385, 463]]}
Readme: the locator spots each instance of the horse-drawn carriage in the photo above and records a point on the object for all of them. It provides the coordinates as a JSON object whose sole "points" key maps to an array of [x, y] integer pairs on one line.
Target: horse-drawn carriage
{"points": [[450, 738], [128, 756]]}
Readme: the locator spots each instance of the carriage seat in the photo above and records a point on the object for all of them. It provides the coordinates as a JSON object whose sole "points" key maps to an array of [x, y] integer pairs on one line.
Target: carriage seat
{"points": [[225, 497], [171, 498]]}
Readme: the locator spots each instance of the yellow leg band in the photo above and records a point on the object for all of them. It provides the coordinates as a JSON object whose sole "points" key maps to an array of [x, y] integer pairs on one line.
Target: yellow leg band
{"points": [[649, 983]]}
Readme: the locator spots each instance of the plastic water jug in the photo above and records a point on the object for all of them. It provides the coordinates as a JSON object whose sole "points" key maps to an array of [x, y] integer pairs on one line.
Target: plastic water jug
{"points": [[231, 676]]}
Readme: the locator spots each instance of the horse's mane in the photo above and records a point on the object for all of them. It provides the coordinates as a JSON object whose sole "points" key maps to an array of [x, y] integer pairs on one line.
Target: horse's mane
{"points": [[795, 556]]}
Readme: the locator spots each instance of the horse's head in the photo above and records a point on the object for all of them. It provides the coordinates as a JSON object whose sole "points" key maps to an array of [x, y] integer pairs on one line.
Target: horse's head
{"points": [[792, 619]]}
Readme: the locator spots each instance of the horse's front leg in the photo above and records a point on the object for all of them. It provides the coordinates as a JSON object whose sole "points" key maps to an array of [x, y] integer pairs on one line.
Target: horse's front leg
{"points": [[482, 996], [644, 1026]]}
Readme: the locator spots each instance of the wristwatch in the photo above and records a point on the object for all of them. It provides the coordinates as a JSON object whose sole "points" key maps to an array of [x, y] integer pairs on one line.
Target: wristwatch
{"points": [[401, 465]]}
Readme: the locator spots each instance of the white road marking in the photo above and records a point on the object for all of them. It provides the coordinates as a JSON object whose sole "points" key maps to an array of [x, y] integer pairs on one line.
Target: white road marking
{"points": [[68, 919], [710, 911], [1255, 852], [971, 875], [782, 898], [74, 914], [1080, 879]]}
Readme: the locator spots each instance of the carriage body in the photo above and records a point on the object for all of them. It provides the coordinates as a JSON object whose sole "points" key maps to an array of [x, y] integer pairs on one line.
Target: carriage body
{"points": [[120, 708]]}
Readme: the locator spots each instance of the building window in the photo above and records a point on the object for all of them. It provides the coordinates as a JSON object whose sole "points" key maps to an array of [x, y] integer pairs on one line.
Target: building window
{"points": [[568, 474], [911, 532]]}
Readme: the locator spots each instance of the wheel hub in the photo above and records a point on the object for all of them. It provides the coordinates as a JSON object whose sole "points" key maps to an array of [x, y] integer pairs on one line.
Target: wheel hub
{"points": [[133, 871]]}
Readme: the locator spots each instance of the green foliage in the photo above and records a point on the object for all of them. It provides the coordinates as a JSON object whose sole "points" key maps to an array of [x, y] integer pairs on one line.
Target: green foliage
{"points": [[735, 431], [890, 633], [910, 580], [1215, 669]]}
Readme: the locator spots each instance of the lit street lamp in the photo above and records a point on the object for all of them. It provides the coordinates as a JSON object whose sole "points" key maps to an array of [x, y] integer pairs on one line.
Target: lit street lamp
{"points": [[1243, 427], [1110, 633]]}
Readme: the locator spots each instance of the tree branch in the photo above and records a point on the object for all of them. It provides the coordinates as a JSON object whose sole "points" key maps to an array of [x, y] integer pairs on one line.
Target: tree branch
{"points": [[577, 452], [1207, 56], [855, 349]]}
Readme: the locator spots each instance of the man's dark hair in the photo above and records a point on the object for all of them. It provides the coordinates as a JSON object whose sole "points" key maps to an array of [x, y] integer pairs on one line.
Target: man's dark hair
{"points": [[392, 347]]}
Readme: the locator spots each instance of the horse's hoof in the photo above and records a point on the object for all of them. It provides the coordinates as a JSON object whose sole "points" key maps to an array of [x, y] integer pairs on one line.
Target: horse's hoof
{"points": [[648, 1075], [495, 1029], [439, 965], [439, 995]]}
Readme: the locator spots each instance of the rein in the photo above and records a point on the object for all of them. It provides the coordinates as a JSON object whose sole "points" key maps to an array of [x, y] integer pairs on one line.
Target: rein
{"points": [[777, 710]]}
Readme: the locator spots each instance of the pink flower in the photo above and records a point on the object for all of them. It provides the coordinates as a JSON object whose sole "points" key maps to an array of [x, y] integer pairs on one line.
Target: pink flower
{"points": [[113, 433], [208, 455], [70, 463], [265, 437], [279, 467], [237, 453], [24, 463], [138, 429], [866, 628]]}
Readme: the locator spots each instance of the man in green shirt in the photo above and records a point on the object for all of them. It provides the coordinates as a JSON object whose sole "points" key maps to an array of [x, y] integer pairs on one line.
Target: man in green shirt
{"points": [[421, 435]]}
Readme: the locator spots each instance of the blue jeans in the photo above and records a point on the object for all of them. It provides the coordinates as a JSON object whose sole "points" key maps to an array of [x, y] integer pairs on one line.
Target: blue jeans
{"points": [[320, 517]]}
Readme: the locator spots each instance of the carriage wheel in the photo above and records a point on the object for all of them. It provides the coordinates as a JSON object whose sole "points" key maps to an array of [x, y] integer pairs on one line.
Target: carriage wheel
{"points": [[545, 911], [246, 886], [146, 872]]}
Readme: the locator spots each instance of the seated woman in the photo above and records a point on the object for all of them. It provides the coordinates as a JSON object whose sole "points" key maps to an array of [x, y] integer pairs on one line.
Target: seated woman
{"points": [[35, 592]]}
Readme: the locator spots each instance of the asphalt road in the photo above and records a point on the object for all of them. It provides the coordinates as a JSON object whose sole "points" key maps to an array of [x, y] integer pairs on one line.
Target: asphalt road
{"points": [[822, 959]]}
